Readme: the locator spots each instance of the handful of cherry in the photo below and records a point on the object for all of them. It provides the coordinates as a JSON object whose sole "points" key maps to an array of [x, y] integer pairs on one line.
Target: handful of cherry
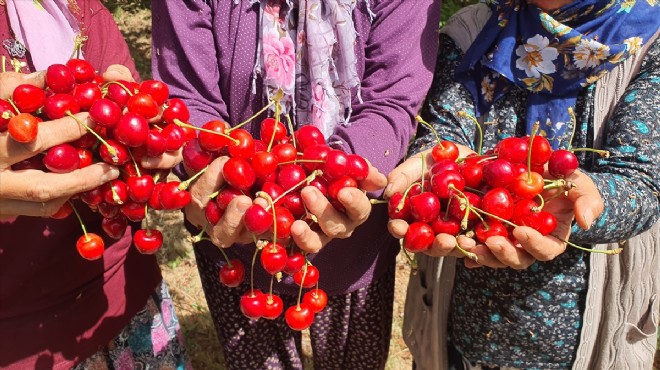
{"points": [[273, 168], [131, 121], [487, 195]]}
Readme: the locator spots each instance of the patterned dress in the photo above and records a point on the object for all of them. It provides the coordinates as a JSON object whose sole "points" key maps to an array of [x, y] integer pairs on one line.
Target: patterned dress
{"points": [[531, 319]]}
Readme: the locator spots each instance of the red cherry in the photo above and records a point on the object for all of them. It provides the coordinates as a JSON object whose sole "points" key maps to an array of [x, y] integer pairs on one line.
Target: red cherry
{"points": [[394, 202], [175, 137], [60, 105], [156, 143], [232, 274], [444, 183], [171, 197], [65, 211], [115, 227], [541, 150], [545, 223], [299, 317], [308, 136], [290, 175], [294, 263], [294, 203], [214, 142], [86, 94], [285, 152], [494, 228], [449, 226], [273, 258], [62, 158], [498, 173], [135, 212], [28, 98], [498, 202], [245, 146], [105, 112], [148, 241], [144, 105], [311, 277], [316, 299], [226, 195], [357, 167], [107, 210], [419, 237], [455, 211], [239, 173], [121, 154], [257, 220], [424, 207], [213, 213], [154, 200], [270, 129], [273, 306], [252, 304], [119, 92], [140, 188], [23, 127], [92, 197], [316, 153], [60, 79], [115, 192], [336, 164], [473, 174], [264, 163], [527, 185], [513, 149], [562, 163], [90, 246], [339, 183], [283, 220], [445, 150], [131, 130], [176, 109], [195, 157], [82, 70], [157, 89], [6, 112]]}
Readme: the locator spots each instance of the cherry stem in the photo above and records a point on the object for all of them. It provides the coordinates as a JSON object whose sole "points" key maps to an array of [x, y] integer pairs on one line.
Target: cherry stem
{"points": [[271, 205], [480, 218], [419, 119], [411, 260], [111, 150], [302, 282], [277, 122], [270, 291], [137, 168], [308, 179], [542, 203], [277, 97], [82, 225], [571, 113], [180, 123], [467, 254], [535, 129], [476, 122], [78, 42], [128, 91], [602, 251], [146, 217], [14, 106], [185, 184], [495, 217], [200, 235], [402, 202], [377, 201], [226, 257], [254, 259], [423, 171], [473, 190], [291, 130], [602, 153]]}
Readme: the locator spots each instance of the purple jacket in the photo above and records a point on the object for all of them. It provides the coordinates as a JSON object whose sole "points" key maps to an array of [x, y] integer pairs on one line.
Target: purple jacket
{"points": [[205, 51]]}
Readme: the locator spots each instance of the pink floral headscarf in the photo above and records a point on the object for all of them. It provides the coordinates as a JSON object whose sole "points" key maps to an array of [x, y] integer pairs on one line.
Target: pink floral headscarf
{"points": [[317, 71]]}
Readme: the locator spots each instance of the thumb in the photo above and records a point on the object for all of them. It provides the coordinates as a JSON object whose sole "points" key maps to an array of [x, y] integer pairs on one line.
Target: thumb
{"points": [[407, 173], [117, 72], [9, 81], [587, 202]]}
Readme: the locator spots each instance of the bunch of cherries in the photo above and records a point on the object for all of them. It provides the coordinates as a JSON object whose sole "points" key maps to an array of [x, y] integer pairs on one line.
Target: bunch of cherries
{"points": [[485, 195], [131, 121], [273, 168]]}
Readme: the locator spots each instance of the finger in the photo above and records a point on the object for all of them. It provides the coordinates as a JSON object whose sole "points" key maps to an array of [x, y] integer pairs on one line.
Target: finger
{"points": [[208, 183], [484, 258], [117, 72], [332, 222], [50, 133], [307, 239], [230, 228], [356, 204], [13, 207], [543, 248], [587, 202], [443, 245], [508, 254], [406, 174], [39, 186], [9, 81], [397, 228], [166, 160], [374, 181]]}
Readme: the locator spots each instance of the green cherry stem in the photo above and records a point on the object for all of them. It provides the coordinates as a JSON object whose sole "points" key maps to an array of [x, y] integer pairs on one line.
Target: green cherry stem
{"points": [[467, 254], [602, 153], [128, 91], [307, 180], [137, 168], [411, 261], [180, 123], [271, 205], [302, 282], [11, 102], [419, 119], [82, 225], [111, 150], [185, 184], [293, 136], [476, 122], [277, 122], [278, 96], [535, 129]]}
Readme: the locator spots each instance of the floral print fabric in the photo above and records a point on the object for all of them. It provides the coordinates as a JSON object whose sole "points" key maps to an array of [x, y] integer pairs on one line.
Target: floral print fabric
{"points": [[553, 55], [308, 52]]}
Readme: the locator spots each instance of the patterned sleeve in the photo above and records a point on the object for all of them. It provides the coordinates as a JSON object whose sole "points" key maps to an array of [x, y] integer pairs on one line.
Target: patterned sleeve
{"points": [[445, 99], [629, 181]]}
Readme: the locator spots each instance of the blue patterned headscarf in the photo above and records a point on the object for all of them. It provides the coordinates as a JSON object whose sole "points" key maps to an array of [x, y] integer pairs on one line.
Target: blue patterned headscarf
{"points": [[553, 55]]}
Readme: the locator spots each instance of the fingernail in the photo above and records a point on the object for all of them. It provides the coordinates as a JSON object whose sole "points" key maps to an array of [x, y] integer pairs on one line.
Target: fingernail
{"points": [[588, 217], [111, 174], [312, 196], [347, 197], [149, 162]]}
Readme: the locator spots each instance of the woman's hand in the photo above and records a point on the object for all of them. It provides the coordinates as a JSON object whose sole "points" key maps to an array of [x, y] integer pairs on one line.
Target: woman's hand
{"points": [[332, 223]]}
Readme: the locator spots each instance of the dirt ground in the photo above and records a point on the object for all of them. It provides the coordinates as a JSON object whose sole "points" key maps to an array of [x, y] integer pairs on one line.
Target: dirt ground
{"points": [[177, 260]]}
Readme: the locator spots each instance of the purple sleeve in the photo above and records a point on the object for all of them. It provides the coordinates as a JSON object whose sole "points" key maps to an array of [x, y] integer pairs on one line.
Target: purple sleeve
{"points": [[185, 56], [400, 56]]}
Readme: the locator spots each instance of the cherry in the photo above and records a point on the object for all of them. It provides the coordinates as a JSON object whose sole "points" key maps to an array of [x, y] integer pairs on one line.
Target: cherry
{"points": [[171, 197], [294, 203], [273, 258], [272, 129], [513, 149], [290, 175], [65, 211], [140, 188], [498, 202], [299, 317], [115, 227], [494, 228], [316, 153], [541, 150], [285, 152], [257, 220], [175, 137], [449, 226], [92, 197], [90, 246], [119, 92], [294, 263], [176, 109], [311, 277], [264, 163], [60, 79], [444, 183], [156, 89], [214, 142], [148, 241], [336, 164], [445, 150], [419, 237], [283, 221], [226, 195], [82, 70], [239, 173], [245, 146], [444, 165], [273, 307], [232, 274], [154, 199], [527, 185], [562, 163], [357, 167], [273, 190], [424, 207], [455, 211], [156, 143], [395, 212], [23, 127], [213, 213], [108, 210], [498, 173], [6, 112], [308, 136], [321, 184], [144, 105], [86, 94], [544, 222], [252, 304], [28, 98], [120, 156], [86, 157], [105, 112], [62, 158], [472, 174], [60, 105], [115, 192], [135, 212], [131, 130], [316, 299], [339, 183], [195, 157]]}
